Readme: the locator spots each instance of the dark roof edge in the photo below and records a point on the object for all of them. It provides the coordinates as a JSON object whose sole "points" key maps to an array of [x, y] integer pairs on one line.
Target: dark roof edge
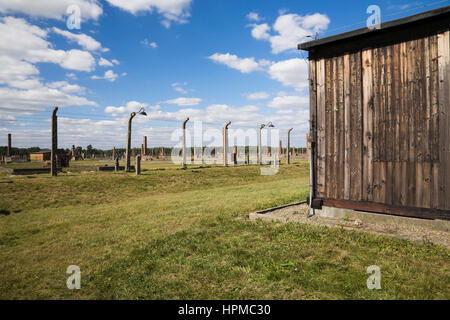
{"points": [[384, 26]]}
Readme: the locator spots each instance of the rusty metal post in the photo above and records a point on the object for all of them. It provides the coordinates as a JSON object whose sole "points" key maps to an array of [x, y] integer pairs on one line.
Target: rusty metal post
{"points": [[289, 146], [184, 142], [138, 165], [127, 166], [116, 165], [8, 151], [54, 169]]}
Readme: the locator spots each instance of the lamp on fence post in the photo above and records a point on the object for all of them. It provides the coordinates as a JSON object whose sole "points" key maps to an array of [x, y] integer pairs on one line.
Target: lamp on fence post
{"points": [[269, 125], [132, 115], [184, 142], [289, 146], [225, 143]]}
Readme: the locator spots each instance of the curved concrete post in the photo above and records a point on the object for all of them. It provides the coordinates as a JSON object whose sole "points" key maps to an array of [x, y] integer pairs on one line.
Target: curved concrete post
{"points": [[54, 169], [289, 146], [127, 166], [259, 144], [225, 143], [184, 142]]}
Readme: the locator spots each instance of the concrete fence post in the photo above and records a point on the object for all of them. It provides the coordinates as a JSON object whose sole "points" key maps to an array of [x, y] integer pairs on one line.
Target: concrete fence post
{"points": [[225, 144], [259, 144], [138, 165], [289, 146], [144, 148], [184, 142], [54, 169], [8, 151], [127, 166], [116, 165]]}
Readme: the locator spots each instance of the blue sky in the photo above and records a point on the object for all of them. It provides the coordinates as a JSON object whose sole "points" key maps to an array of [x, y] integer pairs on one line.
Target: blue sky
{"points": [[211, 60]]}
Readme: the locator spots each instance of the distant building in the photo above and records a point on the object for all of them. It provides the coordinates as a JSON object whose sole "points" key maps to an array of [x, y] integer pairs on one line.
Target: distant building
{"points": [[43, 155]]}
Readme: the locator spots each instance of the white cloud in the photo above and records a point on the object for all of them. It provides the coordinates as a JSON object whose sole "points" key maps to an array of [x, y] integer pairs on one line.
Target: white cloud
{"points": [[180, 90], [216, 113], [72, 76], [290, 30], [83, 40], [148, 44], [261, 31], [22, 41], [184, 101], [171, 10], [293, 102], [180, 87], [30, 101], [105, 62], [77, 60], [244, 65], [131, 106], [17, 73], [253, 16], [54, 9], [261, 95], [23, 92], [109, 75], [67, 87], [291, 73]]}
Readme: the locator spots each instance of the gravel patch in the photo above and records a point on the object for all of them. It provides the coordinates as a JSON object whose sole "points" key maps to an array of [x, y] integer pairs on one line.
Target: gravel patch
{"points": [[299, 213]]}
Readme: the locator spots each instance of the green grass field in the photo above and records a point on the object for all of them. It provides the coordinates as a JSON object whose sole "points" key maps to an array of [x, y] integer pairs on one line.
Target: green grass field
{"points": [[185, 234]]}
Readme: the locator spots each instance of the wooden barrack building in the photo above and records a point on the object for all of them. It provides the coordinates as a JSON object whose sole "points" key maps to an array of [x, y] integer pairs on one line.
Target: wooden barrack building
{"points": [[380, 117]]}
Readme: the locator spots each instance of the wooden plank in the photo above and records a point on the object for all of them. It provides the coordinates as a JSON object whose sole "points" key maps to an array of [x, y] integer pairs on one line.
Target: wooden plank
{"points": [[335, 133], [356, 127], [444, 119], [434, 130], [382, 125], [329, 128], [427, 125], [395, 125], [347, 122], [419, 118], [403, 124], [376, 72], [321, 148], [411, 46], [313, 117], [388, 125], [423, 213], [341, 115], [367, 107]]}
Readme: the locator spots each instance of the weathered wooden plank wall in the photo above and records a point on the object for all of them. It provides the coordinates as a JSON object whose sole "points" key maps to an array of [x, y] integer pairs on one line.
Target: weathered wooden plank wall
{"points": [[382, 124]]}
